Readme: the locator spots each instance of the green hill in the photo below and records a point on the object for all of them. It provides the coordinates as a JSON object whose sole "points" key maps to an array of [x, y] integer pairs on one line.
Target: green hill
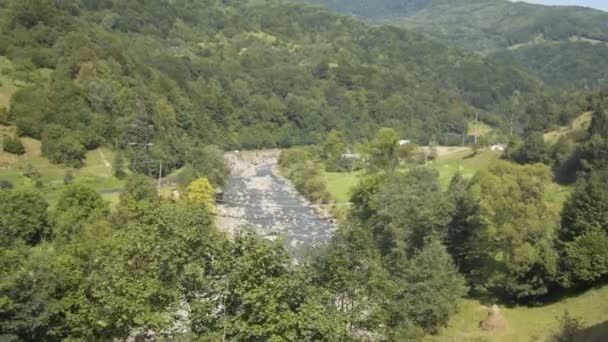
{"points": [[542, 39], [174, 74]]}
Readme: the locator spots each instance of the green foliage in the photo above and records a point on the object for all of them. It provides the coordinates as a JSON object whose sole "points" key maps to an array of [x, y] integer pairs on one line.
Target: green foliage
{"points": [[138, 188], [78, 205], [382, 153], [569, 330], [430, 290], [533, 150], [13, 145], [307, 175], [200, 192], [269, 85], [62, 147], [583, 233], [334, 149], [411, 208], [23, 218], [510, 239], [206, 162], [5, 185], [118, 165], [32, 173]]}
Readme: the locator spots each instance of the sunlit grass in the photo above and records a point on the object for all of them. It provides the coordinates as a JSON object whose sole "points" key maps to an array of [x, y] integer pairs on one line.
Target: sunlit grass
{"points": [[527, 323]]}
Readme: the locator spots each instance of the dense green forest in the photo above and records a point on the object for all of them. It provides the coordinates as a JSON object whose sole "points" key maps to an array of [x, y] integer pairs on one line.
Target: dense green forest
{"points": [[239, 75], [541, 39], [180, 81]]}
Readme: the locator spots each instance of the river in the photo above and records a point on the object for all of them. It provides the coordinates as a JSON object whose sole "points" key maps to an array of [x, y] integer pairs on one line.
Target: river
{"points": [[258, 199]]}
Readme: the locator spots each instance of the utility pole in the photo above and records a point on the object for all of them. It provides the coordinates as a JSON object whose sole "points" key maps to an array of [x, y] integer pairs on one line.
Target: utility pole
{"points": [[511, 124], [160, 176], [476, 126]]}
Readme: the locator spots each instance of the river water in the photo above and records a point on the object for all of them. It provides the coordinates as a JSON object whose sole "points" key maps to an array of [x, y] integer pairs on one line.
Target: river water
{"points": [[258, 199]]}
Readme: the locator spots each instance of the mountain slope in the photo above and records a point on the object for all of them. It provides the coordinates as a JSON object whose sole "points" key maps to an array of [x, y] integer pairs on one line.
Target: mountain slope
{"points": [[171, 74], [496, 26]]}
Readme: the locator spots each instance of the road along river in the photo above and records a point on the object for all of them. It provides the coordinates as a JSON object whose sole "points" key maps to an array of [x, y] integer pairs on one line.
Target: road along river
{"points": [[258, 199]]}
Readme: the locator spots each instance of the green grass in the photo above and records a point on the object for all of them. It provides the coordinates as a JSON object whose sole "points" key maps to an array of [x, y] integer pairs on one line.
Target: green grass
{"points": [[482, 129], [96, 173], [340, 184], [582, 122], [463, 160], [529, 323]]}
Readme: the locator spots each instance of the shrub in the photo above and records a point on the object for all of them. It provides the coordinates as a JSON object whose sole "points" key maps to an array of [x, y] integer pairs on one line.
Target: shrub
{"points": [[13, 145], [5, 185]]}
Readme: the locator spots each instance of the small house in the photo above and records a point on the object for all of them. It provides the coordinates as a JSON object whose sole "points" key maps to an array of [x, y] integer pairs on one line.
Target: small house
{"points": [[498, 147]]}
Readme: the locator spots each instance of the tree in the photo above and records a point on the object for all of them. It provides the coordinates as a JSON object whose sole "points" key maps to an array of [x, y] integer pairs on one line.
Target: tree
{"points": [[333, 150], [267, 300], [431, 289], [511, 252], [533, 150], [13, 145], [118, 166], [206, 162], [201, 192], [32, 173], [351, 268], [412, 207], [78, 205], [23, 218], [138, 188], [459, 232], [583, 233], [382, 153], [570, 329]]}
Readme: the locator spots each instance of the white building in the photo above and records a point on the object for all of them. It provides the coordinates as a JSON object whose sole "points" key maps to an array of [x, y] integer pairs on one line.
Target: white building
{"points": [[498, 147]]}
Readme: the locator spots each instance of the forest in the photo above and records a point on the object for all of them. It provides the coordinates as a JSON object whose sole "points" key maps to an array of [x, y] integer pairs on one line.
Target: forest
{"points": [[179, 82], [558, 44]]}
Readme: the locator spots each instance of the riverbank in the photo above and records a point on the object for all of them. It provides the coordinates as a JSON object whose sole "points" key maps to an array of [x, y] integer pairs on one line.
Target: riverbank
{"points": [[257, 198]]}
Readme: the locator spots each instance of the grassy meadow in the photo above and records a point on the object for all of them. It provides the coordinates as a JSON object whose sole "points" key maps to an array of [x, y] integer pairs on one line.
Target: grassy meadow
{"points": [[523, 324]]}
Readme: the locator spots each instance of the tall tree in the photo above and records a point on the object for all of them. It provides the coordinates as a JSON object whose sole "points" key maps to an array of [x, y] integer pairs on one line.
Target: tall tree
{"points": [[583, 234], [511, 250], [382, 153], [334, 149], [23, 217], [412, 207]]}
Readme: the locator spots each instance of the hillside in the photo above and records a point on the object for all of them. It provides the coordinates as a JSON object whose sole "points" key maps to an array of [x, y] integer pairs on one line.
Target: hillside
{"points": [[236, 74], [529, 34]]}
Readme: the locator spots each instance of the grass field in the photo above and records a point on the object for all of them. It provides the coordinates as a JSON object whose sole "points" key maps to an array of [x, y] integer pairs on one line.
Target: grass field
{"points": [[464, 160], [482, 129], [96, 173], [580, 123], [339, 185], [531, 323]]}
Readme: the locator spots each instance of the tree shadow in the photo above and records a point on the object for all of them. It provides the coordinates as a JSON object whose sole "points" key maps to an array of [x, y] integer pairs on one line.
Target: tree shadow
{"points": [[594, 333]]}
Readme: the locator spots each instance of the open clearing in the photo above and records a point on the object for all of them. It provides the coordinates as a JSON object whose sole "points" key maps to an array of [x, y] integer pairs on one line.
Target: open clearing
{"points": [[580, 123], [530, 323]]}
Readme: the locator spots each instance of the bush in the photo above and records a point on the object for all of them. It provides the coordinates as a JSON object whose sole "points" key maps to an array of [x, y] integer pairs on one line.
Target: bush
{"points": [[4, 116], [62, 147], [13, 145], [5, 185]]}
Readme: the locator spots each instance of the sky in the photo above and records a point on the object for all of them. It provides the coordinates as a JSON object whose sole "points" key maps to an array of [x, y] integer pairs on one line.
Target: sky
{"points": [[599, 4]]}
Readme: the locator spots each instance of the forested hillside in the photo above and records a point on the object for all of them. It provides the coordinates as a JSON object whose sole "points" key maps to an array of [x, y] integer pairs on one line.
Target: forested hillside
{"points": [[521, 30], [237, 74]]}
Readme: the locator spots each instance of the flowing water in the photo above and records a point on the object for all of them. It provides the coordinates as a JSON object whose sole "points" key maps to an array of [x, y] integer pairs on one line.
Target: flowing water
{"points": [[257, 198]]}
